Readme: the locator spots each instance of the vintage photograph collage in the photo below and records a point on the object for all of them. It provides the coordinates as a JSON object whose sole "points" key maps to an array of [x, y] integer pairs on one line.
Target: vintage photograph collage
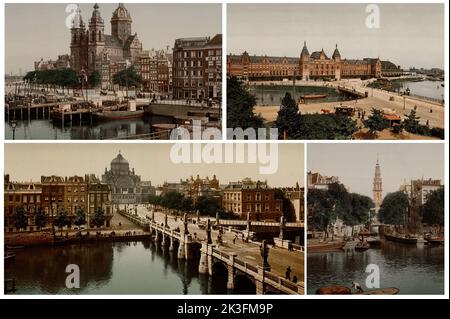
{"points": [[225, 148]]}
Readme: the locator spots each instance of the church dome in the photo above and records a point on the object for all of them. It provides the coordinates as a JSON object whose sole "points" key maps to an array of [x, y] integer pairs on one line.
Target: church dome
{"points": [[121, 13], [119, 165], [96, 17]]}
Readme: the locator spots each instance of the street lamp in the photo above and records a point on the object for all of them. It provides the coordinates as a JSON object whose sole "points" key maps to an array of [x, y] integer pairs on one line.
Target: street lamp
{"points": [[13, 124], [53, 208]]}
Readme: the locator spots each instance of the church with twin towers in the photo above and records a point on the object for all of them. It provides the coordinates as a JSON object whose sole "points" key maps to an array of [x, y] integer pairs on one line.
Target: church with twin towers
{"points": [[93, 50]]}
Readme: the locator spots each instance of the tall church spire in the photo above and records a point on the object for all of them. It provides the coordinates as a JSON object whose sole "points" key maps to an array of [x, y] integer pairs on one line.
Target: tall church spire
{"points": [[377, 186]]}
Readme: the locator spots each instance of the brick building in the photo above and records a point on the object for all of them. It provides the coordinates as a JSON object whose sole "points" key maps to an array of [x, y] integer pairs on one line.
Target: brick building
{"points": [[316, 65], [197, 68], [54, 193], [21, 194], [256, 198]]}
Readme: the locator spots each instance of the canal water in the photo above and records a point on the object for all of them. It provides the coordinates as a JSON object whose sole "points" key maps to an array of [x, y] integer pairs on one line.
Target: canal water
{"points": [[414, 270], [39, 129], [111, 268], [273, 94], [430, 89]]}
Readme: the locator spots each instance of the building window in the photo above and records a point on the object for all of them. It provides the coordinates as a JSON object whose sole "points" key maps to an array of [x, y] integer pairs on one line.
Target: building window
{"points": [[258, 196]]}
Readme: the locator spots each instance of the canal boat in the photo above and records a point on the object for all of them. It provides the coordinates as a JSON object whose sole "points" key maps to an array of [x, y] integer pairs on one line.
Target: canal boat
{"points": [[408, 239], [374, 243], [313, 96], [435, 240], [109, 115], [325, 247], [362, 246], [381, 291]]}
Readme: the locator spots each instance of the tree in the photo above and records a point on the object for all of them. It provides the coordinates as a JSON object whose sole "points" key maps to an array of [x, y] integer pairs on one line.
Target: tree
{"points": [[433, 208], [127, 78], [40, 220], [20, 218], [172, 200], [288, 207], [80, 217], [376, 122], [61, 219], [288, 119], [325, 127], [322, 211], [95, 79], [411, 122], [240, 104], [359, 212], [208, 206], [98, 219], [187, 204], [394, 208]]}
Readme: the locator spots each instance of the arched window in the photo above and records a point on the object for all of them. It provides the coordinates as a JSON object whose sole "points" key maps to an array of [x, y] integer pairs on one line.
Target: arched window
{"points": [[93, 35], [99, 35]]}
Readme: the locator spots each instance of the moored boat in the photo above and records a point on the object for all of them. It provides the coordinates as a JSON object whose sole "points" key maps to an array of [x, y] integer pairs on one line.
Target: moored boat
{"points": [[401, 239], [313, 96], [119, 115], [435, 240], [324, 247], [362, 245], [381, 291], [374, 243]]}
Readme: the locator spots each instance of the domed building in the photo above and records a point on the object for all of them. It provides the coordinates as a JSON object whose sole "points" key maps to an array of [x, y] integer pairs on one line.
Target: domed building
{"points": [[126, 186]]}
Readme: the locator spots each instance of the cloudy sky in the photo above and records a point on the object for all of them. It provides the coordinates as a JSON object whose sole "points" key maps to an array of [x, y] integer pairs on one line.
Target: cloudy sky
{"points": [[354, 164], [33, 31], [25, 162], [408, 34]]}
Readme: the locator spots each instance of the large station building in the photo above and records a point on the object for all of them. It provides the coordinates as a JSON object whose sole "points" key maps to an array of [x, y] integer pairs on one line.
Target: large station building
{"points": [[308, 66]]}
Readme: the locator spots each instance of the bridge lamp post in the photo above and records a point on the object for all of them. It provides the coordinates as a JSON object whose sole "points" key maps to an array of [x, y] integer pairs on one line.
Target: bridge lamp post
{"points": [[13, 125]]}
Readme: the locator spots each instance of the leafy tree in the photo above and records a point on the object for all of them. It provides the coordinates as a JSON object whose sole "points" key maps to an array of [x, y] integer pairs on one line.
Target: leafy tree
{"points": [[322, 211], [40, 219], [20, 218], [433, 208], [208, 206], [172, 200], [61, 219], [80, 217], [127, 78], [324, 127], [288, 119], [359, 212], [411, 122], [240, 104], [187, 204], [95, 79], [288, 207], [394, 208], [376, 122], [98, 219]]}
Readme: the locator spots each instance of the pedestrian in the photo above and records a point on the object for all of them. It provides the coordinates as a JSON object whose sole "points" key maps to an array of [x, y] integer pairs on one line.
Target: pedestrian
{"points": [[234, 240], [288, 273], [294, 280]]}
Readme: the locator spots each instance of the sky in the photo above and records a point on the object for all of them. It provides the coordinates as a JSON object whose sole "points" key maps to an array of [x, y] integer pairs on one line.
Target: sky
{"points": [[27, 162], [33, 31], [408, 34], [354, 164]]}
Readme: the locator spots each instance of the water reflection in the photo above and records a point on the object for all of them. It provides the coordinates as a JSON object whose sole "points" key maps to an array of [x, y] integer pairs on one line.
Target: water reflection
{"points": [[111, 268], [45, 129], [414, 270]]}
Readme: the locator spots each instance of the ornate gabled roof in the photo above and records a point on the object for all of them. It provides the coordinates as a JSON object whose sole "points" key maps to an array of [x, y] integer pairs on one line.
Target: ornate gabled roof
{"points": [[317, 54], [96, 17], [121, 13], [111, 41]]}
